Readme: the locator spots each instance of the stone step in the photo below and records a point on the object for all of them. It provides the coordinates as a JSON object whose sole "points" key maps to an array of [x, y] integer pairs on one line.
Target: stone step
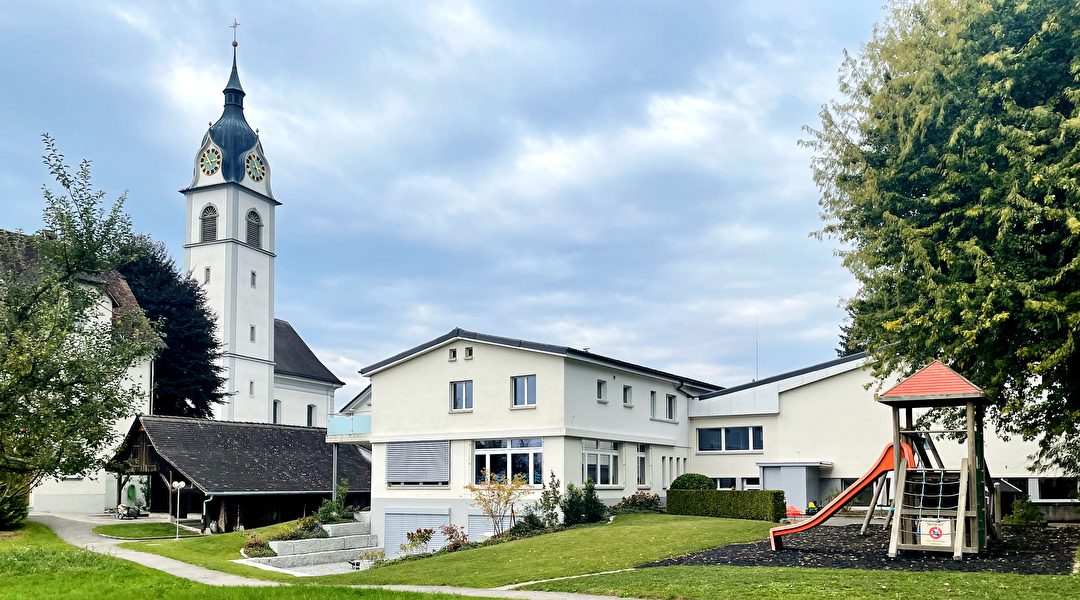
{"points": [[354, 528], [313, 558], [346, 542]]}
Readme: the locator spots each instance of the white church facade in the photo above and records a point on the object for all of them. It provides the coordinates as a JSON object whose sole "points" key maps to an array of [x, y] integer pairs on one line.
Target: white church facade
{"points": [[272, 376]]}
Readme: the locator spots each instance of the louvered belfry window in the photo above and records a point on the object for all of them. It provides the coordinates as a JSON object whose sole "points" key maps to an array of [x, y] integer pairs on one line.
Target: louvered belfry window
{"points": [[418, 463], [209, 224], [254, 229]]}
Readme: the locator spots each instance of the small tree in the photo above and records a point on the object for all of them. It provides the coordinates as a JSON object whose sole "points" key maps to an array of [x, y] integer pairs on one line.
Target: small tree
{"points": [[592, 507], [548, 504], [63, 360], [496, 497], [572, 504]]}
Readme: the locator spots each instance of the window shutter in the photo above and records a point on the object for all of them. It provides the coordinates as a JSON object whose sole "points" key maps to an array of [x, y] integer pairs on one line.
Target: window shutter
{"points": [[254, 229], [209, 224], [418, 462]]}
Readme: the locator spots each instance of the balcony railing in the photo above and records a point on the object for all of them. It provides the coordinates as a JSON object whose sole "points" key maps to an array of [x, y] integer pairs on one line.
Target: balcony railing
{"points": [[348, 425]]}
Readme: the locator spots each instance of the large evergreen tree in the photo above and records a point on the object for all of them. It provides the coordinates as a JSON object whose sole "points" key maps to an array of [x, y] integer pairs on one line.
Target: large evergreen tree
{"points": [[187, 377], [949, 171]]}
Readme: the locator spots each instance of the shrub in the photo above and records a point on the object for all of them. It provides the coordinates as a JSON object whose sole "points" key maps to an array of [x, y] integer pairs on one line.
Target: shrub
{"points": [[1024, 512], [529, 523], [692, 481], [761, 505], [547, 507], [592, 507], [302, 529], [573, 505], [418, 541], [456, 538], [255, 546], [637, 503], [12, 511]]}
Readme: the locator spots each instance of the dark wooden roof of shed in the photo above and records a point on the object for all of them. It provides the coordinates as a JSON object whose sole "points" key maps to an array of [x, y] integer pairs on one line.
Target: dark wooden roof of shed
{"points": [[236, 457]]}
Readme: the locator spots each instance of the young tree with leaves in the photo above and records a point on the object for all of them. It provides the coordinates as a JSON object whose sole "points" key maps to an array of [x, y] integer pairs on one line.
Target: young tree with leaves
{"points": [[64, 353], [949, 173], [187, 376]]}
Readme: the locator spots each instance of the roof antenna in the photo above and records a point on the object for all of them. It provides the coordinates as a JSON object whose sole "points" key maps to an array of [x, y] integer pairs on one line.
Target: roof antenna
{"points": [[755, 349]]}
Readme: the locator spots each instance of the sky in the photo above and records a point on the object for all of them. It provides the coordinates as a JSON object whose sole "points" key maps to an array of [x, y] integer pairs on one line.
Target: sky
{"points": [[623, 176]]}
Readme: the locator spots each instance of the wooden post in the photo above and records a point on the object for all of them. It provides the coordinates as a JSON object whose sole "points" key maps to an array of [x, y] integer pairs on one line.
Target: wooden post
{"points": [[880, 485], [898, 502], [896, 441], [961, 511]]}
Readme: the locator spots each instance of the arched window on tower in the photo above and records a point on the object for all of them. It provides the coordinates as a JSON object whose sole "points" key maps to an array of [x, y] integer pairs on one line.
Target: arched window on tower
{"points": [[209, 224], [254, 229]]}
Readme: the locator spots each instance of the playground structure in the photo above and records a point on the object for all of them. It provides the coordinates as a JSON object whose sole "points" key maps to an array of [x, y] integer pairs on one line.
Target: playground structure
{"points": [[934, 508]]}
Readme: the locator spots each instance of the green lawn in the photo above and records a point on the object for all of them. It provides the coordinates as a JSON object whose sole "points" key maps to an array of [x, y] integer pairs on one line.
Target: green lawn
{"points": [[628, 541], [142, 530], [35, 564], [709, 583]]}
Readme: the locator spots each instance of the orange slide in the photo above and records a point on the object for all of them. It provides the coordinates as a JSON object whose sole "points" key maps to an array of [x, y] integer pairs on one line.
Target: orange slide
{"points": [[883, 465]]}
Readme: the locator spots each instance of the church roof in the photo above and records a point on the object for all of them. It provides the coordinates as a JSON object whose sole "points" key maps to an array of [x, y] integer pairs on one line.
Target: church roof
{"points": [[235, 457], [293, 357], [231, 133]]}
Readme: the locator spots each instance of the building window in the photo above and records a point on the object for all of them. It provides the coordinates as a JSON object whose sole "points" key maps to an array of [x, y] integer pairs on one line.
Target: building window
{"points": [[251, 333], [311, 415], [600, 462], [277, 412], [672, 404], [460, 395], [468, 352], [453, 354], [418, 463], [208, 220], [206, 275], [725, 483], [497, 458], [524, 390], [751, 483], [642, 451], [627, 395], [1057, 488], [730, 439], [253, 279], [251, 389], [601, 390], [254, 229]]}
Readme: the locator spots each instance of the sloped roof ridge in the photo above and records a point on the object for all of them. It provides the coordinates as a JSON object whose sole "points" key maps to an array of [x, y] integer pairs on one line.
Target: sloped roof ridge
{"points": [[458, 332], [230, 423], [782, 376]]}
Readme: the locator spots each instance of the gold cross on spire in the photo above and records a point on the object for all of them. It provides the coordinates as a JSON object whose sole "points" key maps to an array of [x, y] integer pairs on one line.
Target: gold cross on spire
{"points": [[234, 26]]}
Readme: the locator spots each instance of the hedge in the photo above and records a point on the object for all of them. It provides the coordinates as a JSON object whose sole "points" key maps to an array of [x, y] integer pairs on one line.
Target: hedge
{"points": [[692, 481], [759, 505]]}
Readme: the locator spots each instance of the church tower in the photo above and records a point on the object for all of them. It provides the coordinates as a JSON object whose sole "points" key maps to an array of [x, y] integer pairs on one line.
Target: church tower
{"points": [[229, 249]]}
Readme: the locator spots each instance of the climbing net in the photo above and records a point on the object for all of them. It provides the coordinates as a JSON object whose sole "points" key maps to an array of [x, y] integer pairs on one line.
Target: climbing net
{"points": [[932, 494]]}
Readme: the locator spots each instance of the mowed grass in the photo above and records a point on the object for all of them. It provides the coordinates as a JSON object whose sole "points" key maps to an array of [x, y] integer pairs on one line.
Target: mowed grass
{"points": [[721, 583], [141, 530], [628, 541], [35, 564]]}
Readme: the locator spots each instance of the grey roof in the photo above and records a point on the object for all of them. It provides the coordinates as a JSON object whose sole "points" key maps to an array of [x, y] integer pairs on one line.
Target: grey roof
{"points": [[231, 133], [293, 357], [230, 456], [352, 405], [782, 376], [561, 350]]}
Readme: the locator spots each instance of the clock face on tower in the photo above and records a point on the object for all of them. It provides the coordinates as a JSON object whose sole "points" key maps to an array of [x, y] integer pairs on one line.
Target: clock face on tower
{"points": [[256, 170], [210, 161]]}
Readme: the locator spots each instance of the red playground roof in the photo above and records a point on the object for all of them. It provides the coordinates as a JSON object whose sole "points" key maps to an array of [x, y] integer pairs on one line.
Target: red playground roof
{"points": [[933, 384]]}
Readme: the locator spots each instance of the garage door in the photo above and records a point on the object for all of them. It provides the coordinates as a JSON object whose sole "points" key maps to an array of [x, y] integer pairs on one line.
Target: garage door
{"points": [[400, 522]]}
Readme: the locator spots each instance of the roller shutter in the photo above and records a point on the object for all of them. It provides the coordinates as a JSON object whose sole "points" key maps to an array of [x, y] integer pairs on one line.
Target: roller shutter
{"points": [[400, 523], [418, 462]]}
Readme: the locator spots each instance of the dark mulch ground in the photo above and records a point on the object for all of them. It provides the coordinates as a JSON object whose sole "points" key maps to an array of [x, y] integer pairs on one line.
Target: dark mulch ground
{"points": [[1025, 550]]}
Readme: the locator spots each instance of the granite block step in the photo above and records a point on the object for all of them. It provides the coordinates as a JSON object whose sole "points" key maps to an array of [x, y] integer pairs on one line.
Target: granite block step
{"points": [[345, 542], [354, 528]]}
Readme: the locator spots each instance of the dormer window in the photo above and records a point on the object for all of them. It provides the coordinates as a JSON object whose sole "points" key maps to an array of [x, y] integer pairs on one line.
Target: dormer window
{"points": [[254, 229], [209, 224]]}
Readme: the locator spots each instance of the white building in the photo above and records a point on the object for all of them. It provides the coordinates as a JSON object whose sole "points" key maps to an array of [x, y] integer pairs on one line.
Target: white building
{"points": [[97, 491], [438, 414], [230, 246]]}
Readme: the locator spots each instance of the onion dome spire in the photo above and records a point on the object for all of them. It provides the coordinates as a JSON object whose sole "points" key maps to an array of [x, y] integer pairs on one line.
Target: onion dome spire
{"points": [[231, 133]]}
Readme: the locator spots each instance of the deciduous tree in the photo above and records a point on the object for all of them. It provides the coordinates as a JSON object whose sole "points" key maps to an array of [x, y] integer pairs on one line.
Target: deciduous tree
{"points": [[64, 353], [949, 173]]}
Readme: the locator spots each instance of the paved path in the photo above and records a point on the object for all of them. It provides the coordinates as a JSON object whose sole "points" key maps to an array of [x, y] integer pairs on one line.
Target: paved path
{"points": [[75, 530]]}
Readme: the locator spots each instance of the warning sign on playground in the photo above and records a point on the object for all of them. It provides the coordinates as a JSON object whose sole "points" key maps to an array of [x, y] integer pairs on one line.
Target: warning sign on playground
{"points": [[935, 532]]}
